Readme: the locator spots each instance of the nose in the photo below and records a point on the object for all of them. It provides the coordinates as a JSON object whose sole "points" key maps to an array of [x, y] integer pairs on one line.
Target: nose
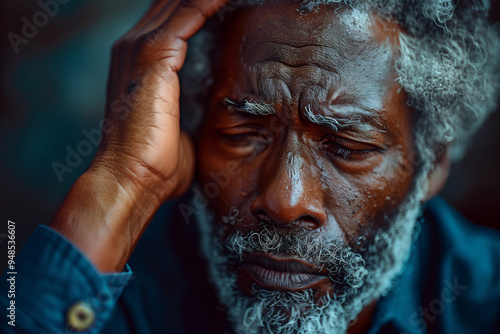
{"points": [[290, 193]]}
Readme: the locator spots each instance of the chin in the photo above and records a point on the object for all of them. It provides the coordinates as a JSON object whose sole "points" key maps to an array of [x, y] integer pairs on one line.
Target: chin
{"points": [[302, 283]]}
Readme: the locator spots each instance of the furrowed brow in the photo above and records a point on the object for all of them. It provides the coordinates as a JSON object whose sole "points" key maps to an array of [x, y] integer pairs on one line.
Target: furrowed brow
{"points": [[252, 107]]}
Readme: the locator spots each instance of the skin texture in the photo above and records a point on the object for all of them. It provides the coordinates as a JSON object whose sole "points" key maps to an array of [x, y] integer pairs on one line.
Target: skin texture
{"points": [[290, 172]]}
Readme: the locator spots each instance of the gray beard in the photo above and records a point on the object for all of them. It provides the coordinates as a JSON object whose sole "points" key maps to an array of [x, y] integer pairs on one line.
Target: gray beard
{"points": [[361, 277]]}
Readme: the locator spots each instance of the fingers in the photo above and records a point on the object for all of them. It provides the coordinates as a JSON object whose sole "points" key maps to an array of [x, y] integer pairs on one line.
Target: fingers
{"points": [[157, 13], [186, 164], [189, 17], [160, 11], [168, 41]]}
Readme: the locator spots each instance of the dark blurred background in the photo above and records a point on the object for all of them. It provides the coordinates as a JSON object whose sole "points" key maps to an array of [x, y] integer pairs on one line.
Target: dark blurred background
{"points": [[53, 89]]}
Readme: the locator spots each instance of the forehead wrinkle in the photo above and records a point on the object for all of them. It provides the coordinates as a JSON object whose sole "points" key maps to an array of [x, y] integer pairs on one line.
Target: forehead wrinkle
{"points": [[274, 79], [297, 75], [331, 47], [318, 55], [267, 83]]}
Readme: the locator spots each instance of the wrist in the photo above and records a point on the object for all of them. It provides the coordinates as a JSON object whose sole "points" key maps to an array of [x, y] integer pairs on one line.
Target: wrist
{"points": [[104, 215]]}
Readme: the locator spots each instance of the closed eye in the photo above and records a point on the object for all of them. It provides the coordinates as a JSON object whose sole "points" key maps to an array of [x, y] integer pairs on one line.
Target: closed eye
{"points": [[348, 149], [241, 137]]}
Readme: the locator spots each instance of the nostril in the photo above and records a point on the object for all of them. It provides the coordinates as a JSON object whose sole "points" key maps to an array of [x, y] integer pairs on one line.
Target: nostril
{"points": [[306, 221], [263, 217]]}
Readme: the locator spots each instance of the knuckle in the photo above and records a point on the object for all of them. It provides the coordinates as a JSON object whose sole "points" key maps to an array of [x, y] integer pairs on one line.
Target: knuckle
{"points": [[149, 40]]}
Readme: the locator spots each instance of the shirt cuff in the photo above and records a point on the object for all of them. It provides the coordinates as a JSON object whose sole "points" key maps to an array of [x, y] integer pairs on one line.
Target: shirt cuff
{"points": [[54, 282]]}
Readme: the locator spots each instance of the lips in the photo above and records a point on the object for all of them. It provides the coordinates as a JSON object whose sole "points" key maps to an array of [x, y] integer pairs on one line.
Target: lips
{"points": [[280, 273]]}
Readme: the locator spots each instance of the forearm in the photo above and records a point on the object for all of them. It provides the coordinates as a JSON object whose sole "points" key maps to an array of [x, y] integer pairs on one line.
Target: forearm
{"points": [[105, 217]]}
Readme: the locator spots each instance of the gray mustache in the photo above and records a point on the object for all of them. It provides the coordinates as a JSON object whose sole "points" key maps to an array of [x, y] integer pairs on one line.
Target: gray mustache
{"points": [[344, 265]]}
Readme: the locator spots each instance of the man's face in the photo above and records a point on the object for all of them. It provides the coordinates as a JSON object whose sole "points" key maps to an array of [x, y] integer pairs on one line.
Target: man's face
{"points": [[325, 155]]}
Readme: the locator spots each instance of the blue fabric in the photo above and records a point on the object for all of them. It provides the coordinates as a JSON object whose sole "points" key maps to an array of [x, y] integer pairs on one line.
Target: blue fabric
{"points": [[451, 283], [52, 275]]}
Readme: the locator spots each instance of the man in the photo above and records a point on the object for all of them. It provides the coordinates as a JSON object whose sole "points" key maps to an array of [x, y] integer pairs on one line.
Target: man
{"points": [[325, 129]]}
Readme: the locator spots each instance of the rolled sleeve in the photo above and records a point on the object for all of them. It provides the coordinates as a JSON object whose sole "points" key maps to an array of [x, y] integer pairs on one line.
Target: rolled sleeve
{"points": [[58, 289]]}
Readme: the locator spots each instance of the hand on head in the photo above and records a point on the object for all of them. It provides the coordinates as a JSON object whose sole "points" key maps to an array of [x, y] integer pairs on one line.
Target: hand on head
{"points": [[144, 158]]}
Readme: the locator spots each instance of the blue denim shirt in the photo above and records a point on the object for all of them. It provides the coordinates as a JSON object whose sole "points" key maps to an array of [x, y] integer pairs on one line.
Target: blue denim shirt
{"points": [[451, 283]]}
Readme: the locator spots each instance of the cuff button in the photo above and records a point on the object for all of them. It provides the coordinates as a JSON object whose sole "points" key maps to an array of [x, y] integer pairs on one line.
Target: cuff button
{"points": [[80, 316]]}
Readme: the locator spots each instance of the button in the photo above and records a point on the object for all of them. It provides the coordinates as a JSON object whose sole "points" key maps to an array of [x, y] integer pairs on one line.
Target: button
{"points": [[80, 316]]}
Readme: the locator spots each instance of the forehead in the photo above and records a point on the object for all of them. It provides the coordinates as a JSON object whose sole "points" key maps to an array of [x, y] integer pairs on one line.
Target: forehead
{"points": [[333, 51], [328, 26]]}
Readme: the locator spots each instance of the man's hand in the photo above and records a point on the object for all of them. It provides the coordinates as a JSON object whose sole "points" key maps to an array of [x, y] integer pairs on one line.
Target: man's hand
{"points": [[146, 145], [144, 158]]}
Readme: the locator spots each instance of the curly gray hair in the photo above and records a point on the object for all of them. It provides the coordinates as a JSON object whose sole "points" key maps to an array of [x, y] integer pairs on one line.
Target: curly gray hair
{"points": [[448, 65]]}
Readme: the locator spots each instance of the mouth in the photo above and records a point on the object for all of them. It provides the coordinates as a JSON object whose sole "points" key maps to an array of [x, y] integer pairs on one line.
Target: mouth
{"points": [[279, 273]]}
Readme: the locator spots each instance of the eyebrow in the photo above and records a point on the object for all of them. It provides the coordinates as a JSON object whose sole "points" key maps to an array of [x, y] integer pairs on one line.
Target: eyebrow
{"points": [[334, 124], [341, 122], [256, 108]]}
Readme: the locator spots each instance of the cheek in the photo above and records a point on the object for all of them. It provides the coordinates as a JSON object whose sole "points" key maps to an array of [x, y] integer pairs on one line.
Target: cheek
{"points": [[364, 203], [225, 182]]}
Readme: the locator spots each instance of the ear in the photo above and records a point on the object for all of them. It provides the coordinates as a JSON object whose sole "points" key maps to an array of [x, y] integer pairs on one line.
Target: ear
{"points": [[438, 175]]}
